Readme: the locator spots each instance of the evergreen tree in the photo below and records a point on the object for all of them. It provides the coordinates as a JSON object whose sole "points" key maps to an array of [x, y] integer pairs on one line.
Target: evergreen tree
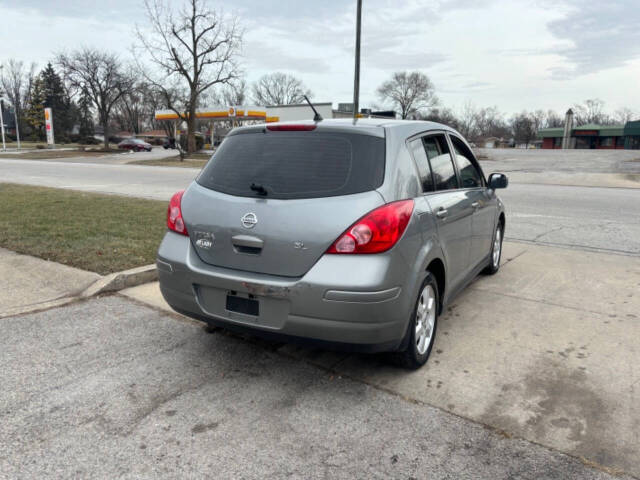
{"points": [[85, 116], [56, 98], [48, 91], [35, 112]]}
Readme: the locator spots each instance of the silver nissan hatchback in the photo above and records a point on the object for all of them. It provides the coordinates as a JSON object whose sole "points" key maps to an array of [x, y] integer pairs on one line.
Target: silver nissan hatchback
{"points": [[341, 233]]}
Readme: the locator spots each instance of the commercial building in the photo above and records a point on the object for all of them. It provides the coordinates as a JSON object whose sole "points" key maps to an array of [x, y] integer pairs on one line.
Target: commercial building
{"points": [[592, 136]]}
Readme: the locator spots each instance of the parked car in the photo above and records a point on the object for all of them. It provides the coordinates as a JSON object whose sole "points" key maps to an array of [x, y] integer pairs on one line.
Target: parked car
{"points": [[348, 235], [169, 143], [135, 144]]}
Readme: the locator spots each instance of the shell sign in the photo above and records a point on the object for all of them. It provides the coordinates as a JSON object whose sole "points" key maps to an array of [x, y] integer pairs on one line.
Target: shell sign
{"points": [[232, 111], [48, 117]]}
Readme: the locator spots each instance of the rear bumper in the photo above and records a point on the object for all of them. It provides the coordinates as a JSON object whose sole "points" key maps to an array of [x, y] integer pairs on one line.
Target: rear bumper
{"points": [[348, 302]]}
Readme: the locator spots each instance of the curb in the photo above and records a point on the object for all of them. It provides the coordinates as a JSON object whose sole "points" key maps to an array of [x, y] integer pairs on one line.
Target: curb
{"points": [[121, 280]]}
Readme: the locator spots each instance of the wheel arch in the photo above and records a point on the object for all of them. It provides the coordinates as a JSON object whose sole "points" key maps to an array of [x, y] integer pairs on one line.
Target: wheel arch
{"points": [[437, 269]]}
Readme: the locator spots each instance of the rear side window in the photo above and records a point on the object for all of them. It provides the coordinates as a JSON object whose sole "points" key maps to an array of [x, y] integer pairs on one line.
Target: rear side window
{"points": [[444, 174], [296, 164], [424, 169]]}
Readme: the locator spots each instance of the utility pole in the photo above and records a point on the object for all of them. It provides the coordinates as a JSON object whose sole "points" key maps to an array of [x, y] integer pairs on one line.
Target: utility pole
{"points": [[15, 118], [356, 78], [4, 146]]}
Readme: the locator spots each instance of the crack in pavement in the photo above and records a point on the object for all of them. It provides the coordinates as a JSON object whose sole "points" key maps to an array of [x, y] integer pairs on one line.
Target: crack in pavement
{"points": [[573, 246], [553, 230]]}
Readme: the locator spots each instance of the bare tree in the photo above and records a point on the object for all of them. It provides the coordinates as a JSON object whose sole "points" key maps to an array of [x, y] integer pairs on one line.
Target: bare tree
{"points": [[467, 119], [553, 120], [624, 115], [279, 89], [538, 119], [591, 111], [523, 128], [194, 49], [129, 111], [101, 76], [442, 115], [135, 111], [16, 81], [409, 92], [232, 94], [489, 122], [235, 93]]}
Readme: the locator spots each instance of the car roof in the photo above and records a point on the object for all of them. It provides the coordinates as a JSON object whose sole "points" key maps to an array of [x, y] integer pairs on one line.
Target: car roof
{"points": [[372, 126]]}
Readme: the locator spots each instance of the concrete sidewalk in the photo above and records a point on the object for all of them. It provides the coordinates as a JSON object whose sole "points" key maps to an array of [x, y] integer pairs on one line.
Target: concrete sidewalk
{"points": [[28, 283], [545, 350]]}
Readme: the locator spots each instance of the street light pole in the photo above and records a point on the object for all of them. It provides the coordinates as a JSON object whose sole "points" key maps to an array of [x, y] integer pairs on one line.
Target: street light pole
{"points": [[15, 117], [356, 78]]}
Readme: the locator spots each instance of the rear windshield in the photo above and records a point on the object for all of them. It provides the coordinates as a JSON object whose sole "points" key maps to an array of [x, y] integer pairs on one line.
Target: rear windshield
{"points": [[296, 164]]}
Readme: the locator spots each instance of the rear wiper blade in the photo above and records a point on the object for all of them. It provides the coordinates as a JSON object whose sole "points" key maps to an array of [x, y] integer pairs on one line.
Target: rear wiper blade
{"points": [[259, 189]]}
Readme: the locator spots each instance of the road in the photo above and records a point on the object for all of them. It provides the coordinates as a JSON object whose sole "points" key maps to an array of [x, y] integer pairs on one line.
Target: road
{"points": [[603, 219], [132, 180]]}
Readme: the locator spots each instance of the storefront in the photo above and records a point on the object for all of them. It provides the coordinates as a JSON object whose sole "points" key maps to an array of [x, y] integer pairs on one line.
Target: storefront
{"points": [[632, 135], [594, 136]]}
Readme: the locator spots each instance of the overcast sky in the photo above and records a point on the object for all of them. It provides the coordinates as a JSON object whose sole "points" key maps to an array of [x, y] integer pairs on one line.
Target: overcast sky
{"points": [[517, 54]]}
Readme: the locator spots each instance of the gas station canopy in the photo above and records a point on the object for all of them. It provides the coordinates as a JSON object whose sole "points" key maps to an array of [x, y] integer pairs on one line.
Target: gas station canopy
{"points": [[238, 113]]}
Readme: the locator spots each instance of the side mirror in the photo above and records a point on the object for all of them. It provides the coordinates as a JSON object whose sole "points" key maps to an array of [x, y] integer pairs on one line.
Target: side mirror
{"points": [[498, 180]]}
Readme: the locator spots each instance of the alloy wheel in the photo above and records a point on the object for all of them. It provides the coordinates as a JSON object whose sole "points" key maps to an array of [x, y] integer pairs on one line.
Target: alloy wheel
{"points": [[425, 319]]}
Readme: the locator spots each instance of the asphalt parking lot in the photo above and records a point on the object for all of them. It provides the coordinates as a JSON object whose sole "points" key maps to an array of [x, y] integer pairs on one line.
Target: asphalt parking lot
{"points": [[110, 388], [533, 374]]}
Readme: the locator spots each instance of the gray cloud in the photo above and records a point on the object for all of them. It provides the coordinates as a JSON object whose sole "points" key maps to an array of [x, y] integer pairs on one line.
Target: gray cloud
{"points": [[120, 10], [477, 85], [388, 59], [604, 35], [275, 58]]}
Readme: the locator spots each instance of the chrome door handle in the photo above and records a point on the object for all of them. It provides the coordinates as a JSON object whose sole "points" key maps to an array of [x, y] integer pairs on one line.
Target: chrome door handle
{"points": [[442, 213], [475, 204]]}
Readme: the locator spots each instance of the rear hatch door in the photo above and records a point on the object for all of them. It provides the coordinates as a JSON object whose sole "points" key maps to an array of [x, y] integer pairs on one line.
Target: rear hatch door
{"points": [[308, 187]]}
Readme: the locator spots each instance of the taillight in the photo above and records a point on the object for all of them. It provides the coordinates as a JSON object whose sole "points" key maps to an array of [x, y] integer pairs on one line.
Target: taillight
{"points": [[175, 221], [377, 231], [291, 127]]}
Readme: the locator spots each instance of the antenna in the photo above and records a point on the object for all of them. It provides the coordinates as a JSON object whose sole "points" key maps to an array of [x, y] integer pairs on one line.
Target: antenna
{"points": [[317, 117]]}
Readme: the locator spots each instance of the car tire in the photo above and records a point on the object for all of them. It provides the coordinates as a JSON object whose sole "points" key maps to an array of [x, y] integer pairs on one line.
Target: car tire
{"points": [[421, 331], [496, 246]]}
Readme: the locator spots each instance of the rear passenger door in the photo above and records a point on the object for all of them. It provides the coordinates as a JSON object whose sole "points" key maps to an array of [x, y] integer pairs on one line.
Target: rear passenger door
{"points": [[450, 207], [483, 201]]}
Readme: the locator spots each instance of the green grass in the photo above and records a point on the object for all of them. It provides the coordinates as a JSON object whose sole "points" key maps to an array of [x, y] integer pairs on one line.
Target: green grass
{"points": [[34, 144], [195, 160], [47, 154], [99, 233]]}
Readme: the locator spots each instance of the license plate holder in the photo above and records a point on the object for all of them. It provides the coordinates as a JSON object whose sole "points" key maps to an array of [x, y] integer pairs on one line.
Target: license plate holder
{"points": [[246, 306]]}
